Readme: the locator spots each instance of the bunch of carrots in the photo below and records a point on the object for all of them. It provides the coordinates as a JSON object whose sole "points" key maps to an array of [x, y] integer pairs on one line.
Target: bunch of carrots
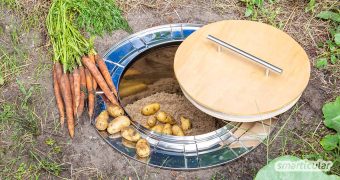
{"points": [[71, 88], [78, 70]]}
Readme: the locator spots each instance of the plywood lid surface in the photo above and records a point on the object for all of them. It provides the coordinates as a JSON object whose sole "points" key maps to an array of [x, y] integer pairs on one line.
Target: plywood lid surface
{"points": [[231, 84]]}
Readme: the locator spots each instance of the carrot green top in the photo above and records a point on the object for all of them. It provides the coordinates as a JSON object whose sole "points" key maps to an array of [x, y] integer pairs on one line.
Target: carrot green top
{"points": [[67, 17]]}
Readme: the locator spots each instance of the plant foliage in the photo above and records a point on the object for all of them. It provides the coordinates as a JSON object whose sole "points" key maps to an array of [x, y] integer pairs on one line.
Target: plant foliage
{"points": [[331, 142], [269, 172], [332, 45], [67, 42], [252, 6], [104, 18], [331, 113], [329, 15], [310, 6], [66, 19]]}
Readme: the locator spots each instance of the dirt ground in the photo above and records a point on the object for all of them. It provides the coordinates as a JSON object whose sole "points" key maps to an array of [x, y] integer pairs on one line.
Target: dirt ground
{"points": [[88, 156]]}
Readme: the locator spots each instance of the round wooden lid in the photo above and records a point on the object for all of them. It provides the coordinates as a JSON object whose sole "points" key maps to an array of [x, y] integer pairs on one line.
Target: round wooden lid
{"points": [[228, 83]]}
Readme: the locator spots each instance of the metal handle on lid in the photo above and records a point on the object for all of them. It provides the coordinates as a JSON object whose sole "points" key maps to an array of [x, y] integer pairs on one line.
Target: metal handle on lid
{"points": [[259, 61]]}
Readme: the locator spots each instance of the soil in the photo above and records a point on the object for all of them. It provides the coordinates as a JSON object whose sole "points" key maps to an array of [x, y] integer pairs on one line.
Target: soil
{"points": [[88, 156], [169, 85], [155, 70], [176, 106]]}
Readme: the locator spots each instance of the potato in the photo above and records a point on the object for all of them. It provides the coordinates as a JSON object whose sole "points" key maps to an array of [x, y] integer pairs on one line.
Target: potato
{"points": [[143, 159], [104, 114], [164, 117], [185, 123], [158, 128], [115, 135], [101, 124], [118, 124], [128, 144], [130, 134], [161, 116], [177, 131], [131, 72], [167, 129], [127, 83], [150, 109], [102, 120], [143, 148], [115, 110], [152, 121], [146, 126], [131, 90], [169, 119]]}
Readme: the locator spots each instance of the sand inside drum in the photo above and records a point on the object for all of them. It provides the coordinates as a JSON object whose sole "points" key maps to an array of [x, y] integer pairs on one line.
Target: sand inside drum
{"points": [[155, 70], [177, 106]]}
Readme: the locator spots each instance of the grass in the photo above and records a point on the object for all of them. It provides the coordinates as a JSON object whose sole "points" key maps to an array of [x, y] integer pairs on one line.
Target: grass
{"points": [[305, 145], [42, 66], [19, 126], [31, 15], [11, 64], [20, 121], [21, 115], [218, 176]]}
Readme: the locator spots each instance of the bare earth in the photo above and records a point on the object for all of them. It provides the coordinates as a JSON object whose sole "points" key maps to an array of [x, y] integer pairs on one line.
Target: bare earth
{"points": [[87, 155]]}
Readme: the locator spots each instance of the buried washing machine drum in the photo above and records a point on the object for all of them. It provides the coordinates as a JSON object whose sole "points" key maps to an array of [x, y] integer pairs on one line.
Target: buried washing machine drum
{"points": [[225, 144]]}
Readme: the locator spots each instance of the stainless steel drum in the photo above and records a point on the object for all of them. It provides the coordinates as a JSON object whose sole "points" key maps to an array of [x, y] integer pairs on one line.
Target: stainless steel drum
{"points": [[223, 145]]}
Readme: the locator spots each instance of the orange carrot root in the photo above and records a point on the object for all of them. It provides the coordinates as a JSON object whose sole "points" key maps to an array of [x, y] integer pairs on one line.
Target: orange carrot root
{"points": [[76, 79], [67, 96], [100, 80], [58, 97], [70, 77], [83, 91], [105, 72], [89, 86], [91, 56], [59, 71]]}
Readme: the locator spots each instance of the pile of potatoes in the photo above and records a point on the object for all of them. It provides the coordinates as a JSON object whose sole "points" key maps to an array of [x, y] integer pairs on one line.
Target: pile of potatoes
{"points": [[121, 124], [162, 122]]}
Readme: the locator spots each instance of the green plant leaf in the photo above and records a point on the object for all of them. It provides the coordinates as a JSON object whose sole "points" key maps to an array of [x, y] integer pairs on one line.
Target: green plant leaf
{"points": [[331, 113], [330, 142], [105, 18], [269, 171], [337, 39], [321, 63], [334, 60], [248, 12], [21, 87], [258, 3], [329, 15], [310, 6], [50, 141], [320, 44], [331, 46]]}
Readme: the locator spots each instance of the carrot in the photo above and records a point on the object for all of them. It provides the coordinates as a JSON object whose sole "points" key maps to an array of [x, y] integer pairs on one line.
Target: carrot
{"points": [[58, 97], [89, 86], [106, 74], [82, 91], [59, 71], [70, 77], [76, 79], [67, 96], [91, 56], [99, 78]]}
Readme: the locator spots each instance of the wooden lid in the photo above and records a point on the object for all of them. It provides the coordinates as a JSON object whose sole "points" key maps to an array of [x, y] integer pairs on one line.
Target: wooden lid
{"points": [[231, 84]]}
